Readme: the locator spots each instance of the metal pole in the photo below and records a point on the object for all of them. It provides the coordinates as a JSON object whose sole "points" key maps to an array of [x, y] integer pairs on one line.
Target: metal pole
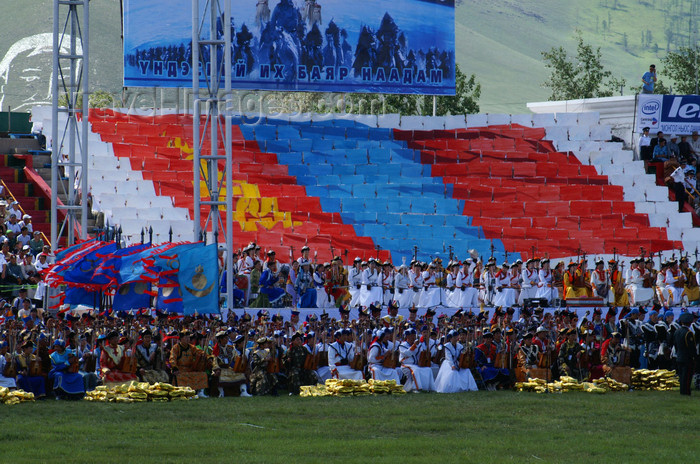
{"points": [[213, 104], [196, 118], [434, 105], [55, 143], [72, 122], [229, 156], [86, 109]]}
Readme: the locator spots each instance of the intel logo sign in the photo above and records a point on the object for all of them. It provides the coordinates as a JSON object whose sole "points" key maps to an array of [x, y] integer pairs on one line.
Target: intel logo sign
{"points": [[650, 107]]}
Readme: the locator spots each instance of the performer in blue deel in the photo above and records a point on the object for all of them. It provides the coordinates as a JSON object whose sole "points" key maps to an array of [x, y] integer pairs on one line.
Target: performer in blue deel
{"points": [[67, 382]]}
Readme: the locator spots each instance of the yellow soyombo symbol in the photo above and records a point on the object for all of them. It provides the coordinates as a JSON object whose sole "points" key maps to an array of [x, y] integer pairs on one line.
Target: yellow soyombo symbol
{"points": [[199, 282], [252, 209], [139, 288]]}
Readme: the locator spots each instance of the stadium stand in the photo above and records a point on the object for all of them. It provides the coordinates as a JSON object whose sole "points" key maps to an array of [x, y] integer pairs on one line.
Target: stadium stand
{"points": [[524, 184]]}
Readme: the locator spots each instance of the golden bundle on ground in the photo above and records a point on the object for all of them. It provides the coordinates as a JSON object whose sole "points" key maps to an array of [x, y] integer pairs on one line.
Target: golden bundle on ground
{"points": [[15, 396], [567, 384], [348, 387], [656, 380], [139, 392]]}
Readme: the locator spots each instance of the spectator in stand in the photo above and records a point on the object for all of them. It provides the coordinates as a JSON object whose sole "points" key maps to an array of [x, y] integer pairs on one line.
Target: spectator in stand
{"points": [[672, 146], [4, 215], [645, 149], [24, 238], [649, 79], [36, 244], [50, 257], [27, 222], [661, 151], [14, 272], [13, 225], [676, 181], [655, 141], [684, 149], [29, 270], [11, 241], [14, 209], [695, 144]]}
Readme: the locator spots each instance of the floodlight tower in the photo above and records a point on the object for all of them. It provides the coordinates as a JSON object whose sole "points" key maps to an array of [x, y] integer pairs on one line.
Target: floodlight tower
{"points": [[209, 40], [69, 146]]}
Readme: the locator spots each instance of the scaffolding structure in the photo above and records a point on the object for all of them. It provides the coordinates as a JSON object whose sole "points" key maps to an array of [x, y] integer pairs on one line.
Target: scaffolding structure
{"points": [[69, 146], [211, 58]]}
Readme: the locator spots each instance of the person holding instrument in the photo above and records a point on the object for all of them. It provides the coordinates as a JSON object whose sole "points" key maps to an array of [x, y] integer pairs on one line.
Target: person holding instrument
{"points": [[187, 366], [452, 378], [67, 382], [378, 356], [29, 374], [570, 356], [149, 358], [485, 357], [417, 378], [340, 354], [112, 361]]}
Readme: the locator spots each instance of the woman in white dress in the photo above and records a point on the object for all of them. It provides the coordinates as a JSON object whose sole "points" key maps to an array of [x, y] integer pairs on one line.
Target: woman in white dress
{"points": [[505, 295], [371, 292], [530, 277], [432, 295], [379, 350], [417, 378], [454, 292], [355, 282], [402, 292], [465, 281], [544, 284], [451, 378], [387, 276], [415, 277], [320, 284]]}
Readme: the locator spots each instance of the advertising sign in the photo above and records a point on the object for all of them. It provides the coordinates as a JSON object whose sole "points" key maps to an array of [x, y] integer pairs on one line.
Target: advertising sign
{"points": [[672, 114], [372, 46]]}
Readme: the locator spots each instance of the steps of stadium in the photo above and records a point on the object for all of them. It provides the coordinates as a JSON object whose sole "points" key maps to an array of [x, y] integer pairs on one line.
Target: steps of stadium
{"points": [[13, 171], [389, 182]]}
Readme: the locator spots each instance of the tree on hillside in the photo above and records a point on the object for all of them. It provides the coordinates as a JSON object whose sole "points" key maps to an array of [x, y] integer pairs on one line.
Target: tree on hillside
{"points": [[582, 76], [682, 67]]}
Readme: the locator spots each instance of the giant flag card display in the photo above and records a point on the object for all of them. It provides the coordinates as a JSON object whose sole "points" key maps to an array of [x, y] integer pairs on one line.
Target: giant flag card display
{"points": [[370, 46]]}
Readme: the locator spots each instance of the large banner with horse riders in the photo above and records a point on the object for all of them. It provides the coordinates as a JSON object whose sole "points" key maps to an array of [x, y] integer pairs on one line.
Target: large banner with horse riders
{"points": [[368, 46]]}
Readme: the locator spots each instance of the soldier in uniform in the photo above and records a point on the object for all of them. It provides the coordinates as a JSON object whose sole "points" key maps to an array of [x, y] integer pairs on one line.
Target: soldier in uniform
{"points": [[261, 381], [651, 340], [631, 329], [663, 328], [686, 352], [294, 360]]}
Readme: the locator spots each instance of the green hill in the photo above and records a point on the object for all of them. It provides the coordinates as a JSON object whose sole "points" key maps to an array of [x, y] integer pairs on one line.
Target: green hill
{"points": [[498, 40]]}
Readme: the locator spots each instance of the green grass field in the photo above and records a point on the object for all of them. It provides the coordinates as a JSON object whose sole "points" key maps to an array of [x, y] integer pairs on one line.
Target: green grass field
{"points": [[428, 428]]}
